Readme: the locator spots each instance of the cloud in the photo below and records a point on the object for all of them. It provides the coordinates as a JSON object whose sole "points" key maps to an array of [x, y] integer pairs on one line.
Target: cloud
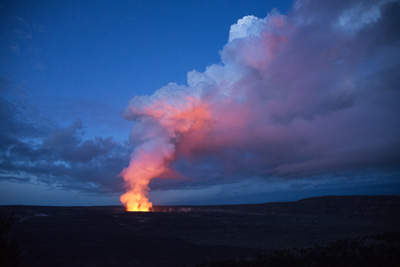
{"points": [[310, 95], [245, 27], [307, 94], [34, 149]]}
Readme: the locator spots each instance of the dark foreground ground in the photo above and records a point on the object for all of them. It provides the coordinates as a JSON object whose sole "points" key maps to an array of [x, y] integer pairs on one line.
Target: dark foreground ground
{"points": [[273, 234]]}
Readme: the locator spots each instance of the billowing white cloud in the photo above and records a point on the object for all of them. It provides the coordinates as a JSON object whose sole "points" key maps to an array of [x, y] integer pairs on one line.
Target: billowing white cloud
{"points": [[298, 95]]}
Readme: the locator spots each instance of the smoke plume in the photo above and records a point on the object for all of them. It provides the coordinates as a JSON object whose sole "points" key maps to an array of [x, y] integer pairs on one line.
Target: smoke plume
{"points": [[315, 91]]}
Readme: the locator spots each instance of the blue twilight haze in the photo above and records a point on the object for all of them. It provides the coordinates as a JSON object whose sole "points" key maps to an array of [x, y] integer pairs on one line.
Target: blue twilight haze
{"points": [[321, 78]]}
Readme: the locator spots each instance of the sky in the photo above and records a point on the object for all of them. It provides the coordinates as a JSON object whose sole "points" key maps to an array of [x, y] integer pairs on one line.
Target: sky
{"points": [[231, 101]]}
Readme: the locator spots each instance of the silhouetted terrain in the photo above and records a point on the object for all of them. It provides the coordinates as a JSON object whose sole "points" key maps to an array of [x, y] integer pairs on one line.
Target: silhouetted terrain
{"points": [[377, 250], [190, 235]]}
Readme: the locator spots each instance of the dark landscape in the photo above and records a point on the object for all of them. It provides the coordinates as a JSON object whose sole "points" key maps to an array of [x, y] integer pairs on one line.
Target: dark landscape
{"points": [[111, 109], [273, 234]]}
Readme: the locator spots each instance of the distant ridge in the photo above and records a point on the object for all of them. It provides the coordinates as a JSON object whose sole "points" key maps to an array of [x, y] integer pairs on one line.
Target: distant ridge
{"points": [[321, 204]]}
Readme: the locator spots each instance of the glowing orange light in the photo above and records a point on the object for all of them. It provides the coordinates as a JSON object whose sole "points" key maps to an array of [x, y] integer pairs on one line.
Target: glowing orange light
{"points": [[135, 202]]}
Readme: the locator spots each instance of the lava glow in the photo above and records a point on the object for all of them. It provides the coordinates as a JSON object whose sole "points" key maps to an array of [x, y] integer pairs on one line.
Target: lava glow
{"points": [[136, 201]]}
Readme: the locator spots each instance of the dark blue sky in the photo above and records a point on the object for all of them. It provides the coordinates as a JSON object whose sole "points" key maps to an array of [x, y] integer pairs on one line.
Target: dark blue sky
{"points": [[69, 68], [94, 56]]}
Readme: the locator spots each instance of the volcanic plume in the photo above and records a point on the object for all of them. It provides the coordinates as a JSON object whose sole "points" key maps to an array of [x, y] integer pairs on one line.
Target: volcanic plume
{"points": [[312, 92], [163, 121]]}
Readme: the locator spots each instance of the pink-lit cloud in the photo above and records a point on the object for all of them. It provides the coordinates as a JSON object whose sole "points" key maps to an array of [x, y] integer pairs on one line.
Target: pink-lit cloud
{"points": [[312, 92]]}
